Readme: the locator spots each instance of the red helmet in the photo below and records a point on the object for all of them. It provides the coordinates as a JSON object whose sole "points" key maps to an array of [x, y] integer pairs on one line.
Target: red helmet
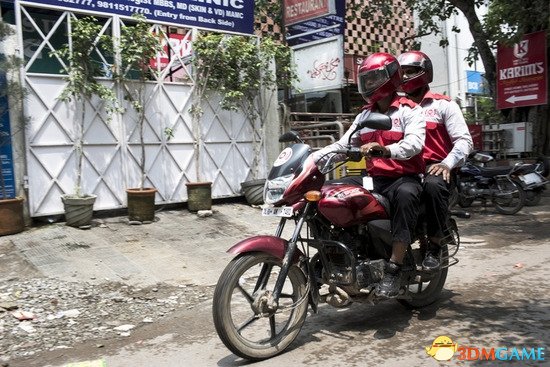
{"points": [[424, 74], [378, 76]]}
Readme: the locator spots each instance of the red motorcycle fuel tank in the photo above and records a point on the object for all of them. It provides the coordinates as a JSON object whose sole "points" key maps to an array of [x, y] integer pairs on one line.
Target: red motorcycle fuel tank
{"points": [[347, 205]]}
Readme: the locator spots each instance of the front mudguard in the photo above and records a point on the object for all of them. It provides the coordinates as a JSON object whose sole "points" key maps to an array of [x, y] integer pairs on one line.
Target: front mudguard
{"points": [[272, 245]]}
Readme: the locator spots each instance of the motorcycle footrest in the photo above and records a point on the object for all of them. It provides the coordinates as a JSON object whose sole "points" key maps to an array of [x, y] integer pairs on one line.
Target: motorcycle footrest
{"points": [[448, 261]]}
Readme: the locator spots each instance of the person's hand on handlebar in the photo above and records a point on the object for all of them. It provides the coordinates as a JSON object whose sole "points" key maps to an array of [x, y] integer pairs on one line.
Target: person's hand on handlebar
{"points": [[375, 150]]}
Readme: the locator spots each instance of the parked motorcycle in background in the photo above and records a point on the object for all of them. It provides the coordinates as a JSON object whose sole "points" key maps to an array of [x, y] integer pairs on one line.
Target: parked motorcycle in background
{"points": [[532, 178], [337, 252], [505, 186]]}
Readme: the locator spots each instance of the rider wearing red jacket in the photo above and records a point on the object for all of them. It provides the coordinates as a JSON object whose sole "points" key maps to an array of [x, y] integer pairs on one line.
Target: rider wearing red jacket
{"points": [[395, 174], [448, 143]]}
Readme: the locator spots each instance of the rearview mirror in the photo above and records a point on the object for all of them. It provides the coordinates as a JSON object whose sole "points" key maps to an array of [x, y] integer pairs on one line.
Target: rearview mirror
{"points": [[374, 120], [290, 136]]}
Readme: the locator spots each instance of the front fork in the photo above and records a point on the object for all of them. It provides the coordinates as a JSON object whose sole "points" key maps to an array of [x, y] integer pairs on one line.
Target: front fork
{"points": [[273, 303]]}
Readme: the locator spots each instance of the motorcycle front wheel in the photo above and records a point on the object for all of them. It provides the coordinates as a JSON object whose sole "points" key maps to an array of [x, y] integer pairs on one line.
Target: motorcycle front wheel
{"points": [[509, 196], [243, 323]]}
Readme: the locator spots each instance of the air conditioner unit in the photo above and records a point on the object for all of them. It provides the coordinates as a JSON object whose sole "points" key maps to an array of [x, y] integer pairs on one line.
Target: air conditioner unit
{"points": [[518, 137]]}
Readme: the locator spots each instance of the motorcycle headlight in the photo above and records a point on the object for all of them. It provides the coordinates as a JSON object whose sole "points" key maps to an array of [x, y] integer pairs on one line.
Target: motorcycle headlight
{"points": [[274, 189]]}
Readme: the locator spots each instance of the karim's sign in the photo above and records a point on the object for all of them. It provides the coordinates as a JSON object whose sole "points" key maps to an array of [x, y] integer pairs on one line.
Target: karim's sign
{"points": [[522, 72], [301, 10], [222, 15]]}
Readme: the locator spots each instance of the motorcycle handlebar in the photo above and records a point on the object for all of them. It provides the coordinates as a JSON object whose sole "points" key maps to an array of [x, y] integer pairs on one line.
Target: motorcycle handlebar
{"points": [[353, 154]]}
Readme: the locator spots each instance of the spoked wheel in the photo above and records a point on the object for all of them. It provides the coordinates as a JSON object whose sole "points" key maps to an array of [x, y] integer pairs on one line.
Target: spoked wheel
{"points": [[428, 288], [244, 320], [509, 197]]}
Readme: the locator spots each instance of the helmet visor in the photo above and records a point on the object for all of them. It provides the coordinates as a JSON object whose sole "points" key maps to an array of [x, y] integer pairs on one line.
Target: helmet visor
{"points": [[410, 72], [371, 80]]}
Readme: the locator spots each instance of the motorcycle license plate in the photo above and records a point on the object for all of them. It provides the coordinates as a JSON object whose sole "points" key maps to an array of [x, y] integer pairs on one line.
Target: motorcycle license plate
{"points": [[531, 178], [283, 211]]}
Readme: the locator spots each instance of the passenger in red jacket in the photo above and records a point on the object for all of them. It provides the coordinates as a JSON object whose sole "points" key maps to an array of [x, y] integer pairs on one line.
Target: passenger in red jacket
{"points": [[448, 143], [396, 174]]}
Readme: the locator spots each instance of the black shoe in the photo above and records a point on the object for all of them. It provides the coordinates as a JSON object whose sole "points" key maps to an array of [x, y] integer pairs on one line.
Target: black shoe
{"points": [[431, 261], [389, 285]]}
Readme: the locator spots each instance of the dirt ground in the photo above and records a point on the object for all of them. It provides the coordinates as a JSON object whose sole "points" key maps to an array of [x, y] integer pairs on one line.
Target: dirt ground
{"points": [[490, 244]]}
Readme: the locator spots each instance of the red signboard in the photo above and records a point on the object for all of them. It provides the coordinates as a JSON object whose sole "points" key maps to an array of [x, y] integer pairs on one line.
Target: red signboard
{"points": [[301, 10], [522, 72], [351, 64], [477, 136]]}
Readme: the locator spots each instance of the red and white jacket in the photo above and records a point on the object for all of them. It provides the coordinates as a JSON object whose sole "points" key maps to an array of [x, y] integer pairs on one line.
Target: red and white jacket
{"points": [[448, 139], [404, 141]]}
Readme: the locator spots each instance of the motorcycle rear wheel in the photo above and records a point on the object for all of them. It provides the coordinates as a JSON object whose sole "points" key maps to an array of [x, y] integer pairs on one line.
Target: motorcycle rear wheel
{"points": [[245, 332], [425, 293], [533, 197], [511, 197]]}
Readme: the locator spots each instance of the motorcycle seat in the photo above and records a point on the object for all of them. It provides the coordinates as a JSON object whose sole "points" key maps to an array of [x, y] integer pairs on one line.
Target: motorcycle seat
{"points": [[494, 171]]}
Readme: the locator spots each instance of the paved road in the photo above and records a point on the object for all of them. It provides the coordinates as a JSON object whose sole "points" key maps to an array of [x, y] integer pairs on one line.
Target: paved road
{"points": [[497, 296]]}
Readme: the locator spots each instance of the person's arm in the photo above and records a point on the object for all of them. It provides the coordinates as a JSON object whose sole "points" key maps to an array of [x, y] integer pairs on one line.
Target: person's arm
{"points": [[460, 136], [415, 134]]}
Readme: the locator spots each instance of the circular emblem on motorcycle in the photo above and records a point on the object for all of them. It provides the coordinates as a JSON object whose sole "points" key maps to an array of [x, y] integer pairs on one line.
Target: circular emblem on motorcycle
{"points": [[283, 157]]}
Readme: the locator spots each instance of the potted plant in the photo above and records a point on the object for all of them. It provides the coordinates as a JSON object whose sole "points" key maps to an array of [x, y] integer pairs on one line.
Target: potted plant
{"points": [[11, 206], [199, 192], [244, 76], [137, 46], [82, 68]]}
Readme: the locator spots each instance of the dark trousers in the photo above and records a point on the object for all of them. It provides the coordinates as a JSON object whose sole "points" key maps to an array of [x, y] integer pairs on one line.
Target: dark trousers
{"points": [[403, 194], [436, 200]]}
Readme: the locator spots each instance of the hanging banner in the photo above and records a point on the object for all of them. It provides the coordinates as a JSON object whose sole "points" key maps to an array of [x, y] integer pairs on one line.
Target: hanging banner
{"points": [[522, 72], [176, 45], [7, 181], [320, 65], [223, 15]]}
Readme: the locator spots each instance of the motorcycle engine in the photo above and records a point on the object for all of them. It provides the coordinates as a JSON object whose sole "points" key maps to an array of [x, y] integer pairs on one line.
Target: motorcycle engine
{"points": [[369, 272], [471, 188]]}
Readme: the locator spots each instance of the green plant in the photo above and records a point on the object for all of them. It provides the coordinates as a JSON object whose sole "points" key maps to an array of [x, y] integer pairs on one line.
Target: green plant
{"points": [[137, 46], [82, 68], [486, 112], [240, 69]]}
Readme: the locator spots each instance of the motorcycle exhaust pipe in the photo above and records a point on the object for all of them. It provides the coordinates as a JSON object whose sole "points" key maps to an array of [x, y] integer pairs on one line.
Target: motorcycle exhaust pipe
{"points": [[337, 297], [478, 192]]}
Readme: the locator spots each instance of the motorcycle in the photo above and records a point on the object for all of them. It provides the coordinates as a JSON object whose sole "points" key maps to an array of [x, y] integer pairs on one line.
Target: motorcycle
{"points": [[336, 254], [498, 184], [531, 177]]}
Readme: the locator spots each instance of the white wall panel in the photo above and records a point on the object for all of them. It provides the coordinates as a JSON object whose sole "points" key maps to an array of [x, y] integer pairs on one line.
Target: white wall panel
{"points": [[112, 151]]}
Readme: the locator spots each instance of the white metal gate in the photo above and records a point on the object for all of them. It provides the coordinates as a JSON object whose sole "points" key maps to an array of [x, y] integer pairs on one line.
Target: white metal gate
{"points": [[111, 148]]}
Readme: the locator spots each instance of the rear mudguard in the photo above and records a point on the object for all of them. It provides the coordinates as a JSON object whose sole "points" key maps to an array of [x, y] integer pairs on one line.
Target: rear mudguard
{"points": [[272, 245]]}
